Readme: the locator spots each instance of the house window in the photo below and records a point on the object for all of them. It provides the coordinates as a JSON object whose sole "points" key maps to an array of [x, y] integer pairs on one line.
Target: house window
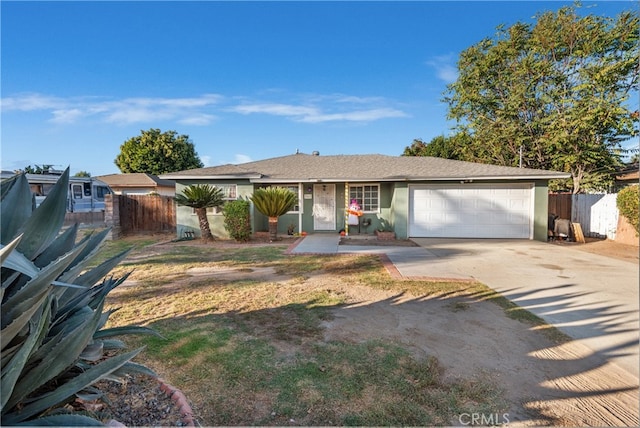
{"points": [[229, 193], [367, 195], [294, 189]]}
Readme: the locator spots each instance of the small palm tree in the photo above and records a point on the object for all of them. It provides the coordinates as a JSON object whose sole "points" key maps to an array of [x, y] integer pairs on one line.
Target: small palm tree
{"points": [[274, 202], [200, 197]]}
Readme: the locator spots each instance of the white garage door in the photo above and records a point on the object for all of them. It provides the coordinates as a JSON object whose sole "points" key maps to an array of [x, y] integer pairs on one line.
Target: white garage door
{"points": [[471, 211]]}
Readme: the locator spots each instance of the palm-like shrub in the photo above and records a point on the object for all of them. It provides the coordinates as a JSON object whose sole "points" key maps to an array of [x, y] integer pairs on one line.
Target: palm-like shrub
{"points": [[53, 333], [274, 202], [200, 197]]}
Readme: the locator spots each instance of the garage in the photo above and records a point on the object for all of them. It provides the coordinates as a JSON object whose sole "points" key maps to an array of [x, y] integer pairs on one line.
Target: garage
{"points": [[470, 210]]}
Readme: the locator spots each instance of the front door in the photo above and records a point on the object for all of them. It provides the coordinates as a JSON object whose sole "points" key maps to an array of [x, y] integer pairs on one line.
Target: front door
{"points": [[324, 207]]}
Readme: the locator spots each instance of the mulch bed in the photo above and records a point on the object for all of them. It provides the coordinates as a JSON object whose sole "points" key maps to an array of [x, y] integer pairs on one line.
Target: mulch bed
{"points": [[140, 401]]}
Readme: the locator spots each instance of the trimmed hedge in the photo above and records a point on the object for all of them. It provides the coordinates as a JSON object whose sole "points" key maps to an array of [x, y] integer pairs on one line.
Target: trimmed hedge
{"points": [[237, 219], [628, 202]]}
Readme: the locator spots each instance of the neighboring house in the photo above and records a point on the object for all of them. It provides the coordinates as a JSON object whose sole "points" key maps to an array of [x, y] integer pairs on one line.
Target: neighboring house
{"points": [[413, 196], [627, 177], [139, 184], [85, 194]]}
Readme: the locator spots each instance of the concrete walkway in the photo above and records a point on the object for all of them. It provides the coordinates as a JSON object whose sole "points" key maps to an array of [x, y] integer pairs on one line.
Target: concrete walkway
{"points": [[590, 297]]}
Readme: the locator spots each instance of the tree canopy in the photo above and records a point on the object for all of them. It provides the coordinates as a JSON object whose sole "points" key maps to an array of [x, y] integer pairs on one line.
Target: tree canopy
{"points": [[552, 95], [439, 147], [155, 152]]}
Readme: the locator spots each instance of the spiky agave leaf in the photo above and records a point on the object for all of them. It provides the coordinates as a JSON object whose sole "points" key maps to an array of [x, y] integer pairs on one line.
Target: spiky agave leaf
{"points": [[78, 383], [16, 207], [48, 316], [92, 276], [15, 366], [44, 224], [68, 420], [5, 250], [94, 243], [61, 245], [20, 299], [61, 357]]}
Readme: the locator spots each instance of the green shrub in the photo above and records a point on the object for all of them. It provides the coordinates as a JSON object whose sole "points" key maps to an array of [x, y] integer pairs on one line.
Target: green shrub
{"points": [[628, 201], [237, 219], [54, 342]]}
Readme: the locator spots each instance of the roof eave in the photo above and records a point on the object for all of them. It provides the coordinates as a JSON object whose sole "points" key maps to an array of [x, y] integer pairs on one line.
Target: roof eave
{"points": [[493, 177], [209, 177]]}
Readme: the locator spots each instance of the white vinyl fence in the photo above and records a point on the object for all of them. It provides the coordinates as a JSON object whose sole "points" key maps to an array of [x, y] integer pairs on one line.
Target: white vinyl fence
{"points": [[597, 214]]}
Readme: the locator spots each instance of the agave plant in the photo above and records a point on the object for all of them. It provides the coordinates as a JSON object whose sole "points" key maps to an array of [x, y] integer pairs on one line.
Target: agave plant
{"points": [[53, 334]]}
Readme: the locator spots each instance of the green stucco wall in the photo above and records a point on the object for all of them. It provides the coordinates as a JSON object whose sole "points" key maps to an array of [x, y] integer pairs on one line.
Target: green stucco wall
{"points": [[399, 211], [394, 209], [541, 210], [186, 220]]}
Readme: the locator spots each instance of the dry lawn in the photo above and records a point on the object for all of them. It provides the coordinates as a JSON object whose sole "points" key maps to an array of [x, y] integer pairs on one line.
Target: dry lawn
{"points": [[254, 337]]}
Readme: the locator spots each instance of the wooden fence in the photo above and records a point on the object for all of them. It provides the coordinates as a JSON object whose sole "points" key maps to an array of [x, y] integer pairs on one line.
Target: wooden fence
{"points": [[560, 204], [85, 219], [596, 213], [130, 214]]}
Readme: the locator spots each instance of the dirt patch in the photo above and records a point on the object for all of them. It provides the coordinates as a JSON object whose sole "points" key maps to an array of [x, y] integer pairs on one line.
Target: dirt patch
{"points": [[545, 383], [607, 247]]}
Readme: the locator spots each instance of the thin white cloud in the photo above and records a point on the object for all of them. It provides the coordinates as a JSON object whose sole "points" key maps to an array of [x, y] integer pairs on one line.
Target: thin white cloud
{"points": [[31, 102], [66, 115], [134, 114], [191, 111], [325, 108], [275, 109], [198, 119], [239, 158], [445, 67], [200, 110], [355, 116]]}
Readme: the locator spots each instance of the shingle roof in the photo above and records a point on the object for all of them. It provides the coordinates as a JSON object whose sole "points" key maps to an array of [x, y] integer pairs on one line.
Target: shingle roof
{"points": [[374, 167], [135, 180]]}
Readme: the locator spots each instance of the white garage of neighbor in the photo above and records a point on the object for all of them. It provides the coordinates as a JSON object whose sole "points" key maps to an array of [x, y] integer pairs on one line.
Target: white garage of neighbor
{"points": [[471, 210]]}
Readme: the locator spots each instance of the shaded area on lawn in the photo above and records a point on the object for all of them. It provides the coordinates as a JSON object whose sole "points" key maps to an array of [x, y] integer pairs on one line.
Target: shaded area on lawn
{"points": [[333, 340]]}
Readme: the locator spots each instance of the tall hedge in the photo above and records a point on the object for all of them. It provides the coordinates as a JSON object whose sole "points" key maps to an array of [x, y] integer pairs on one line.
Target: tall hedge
{"points": [[237, 219], [628, 201]]}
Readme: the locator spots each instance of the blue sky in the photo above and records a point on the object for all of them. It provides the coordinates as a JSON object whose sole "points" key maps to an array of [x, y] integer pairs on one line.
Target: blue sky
{"points": [[244, 80]]}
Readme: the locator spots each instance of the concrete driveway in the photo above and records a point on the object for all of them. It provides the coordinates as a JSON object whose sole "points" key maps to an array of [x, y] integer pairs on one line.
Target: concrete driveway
{"points": [[592, 298]]}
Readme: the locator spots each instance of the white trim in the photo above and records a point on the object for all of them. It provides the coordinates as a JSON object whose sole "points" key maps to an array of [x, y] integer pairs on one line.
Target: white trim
{"points": [[376, 211]]}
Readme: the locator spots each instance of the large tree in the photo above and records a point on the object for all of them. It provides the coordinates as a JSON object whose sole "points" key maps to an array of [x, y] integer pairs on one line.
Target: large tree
{"points": [[156, 152], [553, 95], [439, 147]]}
